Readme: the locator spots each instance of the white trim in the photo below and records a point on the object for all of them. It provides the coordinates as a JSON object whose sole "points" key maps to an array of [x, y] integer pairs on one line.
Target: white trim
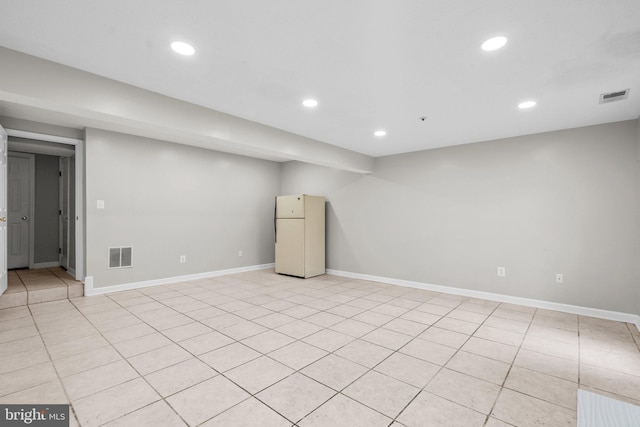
{"points": [[567, 308], [79, 222], [51, 264], [88, 286], [89, 290], [64, 178], [4, 252], [79, 173], [71, 271], [32, 210], [43, 137]]}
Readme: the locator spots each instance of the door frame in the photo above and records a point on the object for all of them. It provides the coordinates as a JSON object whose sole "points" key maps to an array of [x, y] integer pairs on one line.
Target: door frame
{"points": [[64, 185], [32, 201], [79, 186], [4, 145]]}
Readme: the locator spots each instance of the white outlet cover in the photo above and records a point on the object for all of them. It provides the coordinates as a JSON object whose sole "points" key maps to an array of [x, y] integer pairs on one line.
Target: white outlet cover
{"points": [[100, 204]]}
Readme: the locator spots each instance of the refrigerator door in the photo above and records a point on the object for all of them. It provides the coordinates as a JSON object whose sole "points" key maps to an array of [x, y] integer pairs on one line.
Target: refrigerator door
{"points": [[290, 247], [290, 206], [314, 236]]}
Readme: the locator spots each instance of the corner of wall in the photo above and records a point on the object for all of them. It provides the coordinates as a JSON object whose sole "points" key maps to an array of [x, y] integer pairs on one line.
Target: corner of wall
{"points": [[88, 286], [638, 202]]}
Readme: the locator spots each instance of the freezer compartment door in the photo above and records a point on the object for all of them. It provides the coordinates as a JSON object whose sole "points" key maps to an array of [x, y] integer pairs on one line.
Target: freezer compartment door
{"points": [[290, 247], [290, 206]]}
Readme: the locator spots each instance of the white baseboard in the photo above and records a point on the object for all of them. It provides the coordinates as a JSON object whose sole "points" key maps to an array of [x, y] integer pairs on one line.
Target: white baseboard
{"points": [[37, 265], [72, 272], [90, 290], [567, 308]]}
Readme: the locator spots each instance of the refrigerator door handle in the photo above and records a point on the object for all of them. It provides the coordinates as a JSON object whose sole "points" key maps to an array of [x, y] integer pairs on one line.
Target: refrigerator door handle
{"points": [[275, 223]]}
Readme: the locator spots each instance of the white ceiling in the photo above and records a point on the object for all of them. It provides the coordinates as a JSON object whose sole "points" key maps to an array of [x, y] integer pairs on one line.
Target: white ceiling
{"points": [[371, 64]]}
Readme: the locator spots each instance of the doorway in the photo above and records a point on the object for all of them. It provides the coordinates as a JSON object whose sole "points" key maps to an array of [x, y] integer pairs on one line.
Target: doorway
{"points": [[36, 143], [39, 205], [57, 235]]}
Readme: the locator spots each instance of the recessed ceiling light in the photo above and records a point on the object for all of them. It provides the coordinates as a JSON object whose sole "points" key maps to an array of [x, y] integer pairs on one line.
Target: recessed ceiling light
{"points": [[380, 133], [183, 48], [526, 104], [310, 103], [494, 43]]}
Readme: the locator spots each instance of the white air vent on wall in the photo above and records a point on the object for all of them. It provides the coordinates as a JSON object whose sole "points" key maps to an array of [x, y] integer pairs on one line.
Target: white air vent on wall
{"points": [[614, 96], [120, 257]]}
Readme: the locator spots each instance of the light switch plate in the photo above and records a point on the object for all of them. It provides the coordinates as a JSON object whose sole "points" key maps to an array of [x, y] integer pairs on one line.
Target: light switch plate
{"points": [[100, 204]]}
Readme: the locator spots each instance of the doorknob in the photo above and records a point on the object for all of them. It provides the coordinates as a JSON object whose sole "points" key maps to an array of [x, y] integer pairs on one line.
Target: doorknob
{"points": [[3, 219], [24, 218]]}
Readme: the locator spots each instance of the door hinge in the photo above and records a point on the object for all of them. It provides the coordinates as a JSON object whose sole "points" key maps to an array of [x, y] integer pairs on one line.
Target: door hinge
{"points": [[59, 250], [60, 173], [59, 212]]}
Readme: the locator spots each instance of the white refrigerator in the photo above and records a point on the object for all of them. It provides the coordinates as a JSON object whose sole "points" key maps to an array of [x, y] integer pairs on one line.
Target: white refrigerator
{"points": [[300, 235]]}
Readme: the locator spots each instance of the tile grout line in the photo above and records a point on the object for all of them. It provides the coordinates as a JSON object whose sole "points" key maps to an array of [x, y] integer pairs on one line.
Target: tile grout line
{"points": [[266, 355], [448, 360], [53, 365], [329, 353], [314, 292], [511, 365], [132, 367], [195, 356], [369, 369], [298, 371]]}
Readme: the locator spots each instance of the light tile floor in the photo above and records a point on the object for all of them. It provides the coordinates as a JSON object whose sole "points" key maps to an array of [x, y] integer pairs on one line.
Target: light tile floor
{"points": [[260, 349], [27, 286]]}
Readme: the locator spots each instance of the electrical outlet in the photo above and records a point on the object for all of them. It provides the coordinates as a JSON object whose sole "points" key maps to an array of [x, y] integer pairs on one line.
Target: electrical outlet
{"points": [[239, 253], [183, 259], [559, 278], [502, 272]]}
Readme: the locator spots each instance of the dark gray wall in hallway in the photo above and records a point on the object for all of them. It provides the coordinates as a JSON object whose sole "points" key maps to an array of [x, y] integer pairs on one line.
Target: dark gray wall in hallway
{"points": [[47, 204]]}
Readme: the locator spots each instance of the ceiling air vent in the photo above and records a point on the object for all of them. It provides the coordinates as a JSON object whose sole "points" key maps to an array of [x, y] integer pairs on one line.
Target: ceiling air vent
{"points": [[614, 96], [120, 257]]}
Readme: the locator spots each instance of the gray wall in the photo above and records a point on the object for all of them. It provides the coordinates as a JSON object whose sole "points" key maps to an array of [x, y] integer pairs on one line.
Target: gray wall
{"points": [[167, 200], [47, 204], [560, 202], [55, 93], [37, 127]]}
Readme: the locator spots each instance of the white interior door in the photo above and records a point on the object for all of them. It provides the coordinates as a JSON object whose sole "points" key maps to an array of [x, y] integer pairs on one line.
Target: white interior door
{"points": [[3, 210], [19, 209]]}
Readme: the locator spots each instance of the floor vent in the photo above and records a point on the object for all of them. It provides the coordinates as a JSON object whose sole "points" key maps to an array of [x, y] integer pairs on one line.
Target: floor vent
{"points": [[120, 257], [595, 410], [614, 96]]}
